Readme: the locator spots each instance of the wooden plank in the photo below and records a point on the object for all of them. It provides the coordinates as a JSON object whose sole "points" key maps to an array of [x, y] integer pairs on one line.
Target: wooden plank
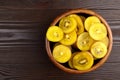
{"points": [[26, 54], [94, 4], [41, 16], [28, 40], [36, 32], [42, 72], [47, 15], [58, 4], [30, 54], [25, 4]]}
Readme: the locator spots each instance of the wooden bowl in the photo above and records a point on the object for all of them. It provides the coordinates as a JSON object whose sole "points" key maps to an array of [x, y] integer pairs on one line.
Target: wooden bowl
{"points": [[101, 61]]}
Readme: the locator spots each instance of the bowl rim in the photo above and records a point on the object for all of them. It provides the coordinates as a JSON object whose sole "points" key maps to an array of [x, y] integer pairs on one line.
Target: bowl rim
{"points": [[80, 11]]}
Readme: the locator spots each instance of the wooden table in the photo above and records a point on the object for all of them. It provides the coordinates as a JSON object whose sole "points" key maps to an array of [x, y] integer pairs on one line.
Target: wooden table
{"points": [[23, 25]]}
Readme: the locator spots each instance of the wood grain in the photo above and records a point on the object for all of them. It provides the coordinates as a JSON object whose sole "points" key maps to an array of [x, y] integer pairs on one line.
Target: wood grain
{"points": [[37, 72], [23, 25], [59, 4]]}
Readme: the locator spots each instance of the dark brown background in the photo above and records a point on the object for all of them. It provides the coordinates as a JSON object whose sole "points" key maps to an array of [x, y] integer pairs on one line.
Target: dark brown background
{"points": [[23, 25]]}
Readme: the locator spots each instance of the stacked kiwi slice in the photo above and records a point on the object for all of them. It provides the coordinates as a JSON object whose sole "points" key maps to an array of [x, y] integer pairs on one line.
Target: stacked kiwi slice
{"points": [[78, 41]]}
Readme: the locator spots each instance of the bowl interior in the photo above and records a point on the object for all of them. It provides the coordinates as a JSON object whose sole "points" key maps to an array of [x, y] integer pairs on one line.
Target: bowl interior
{"points": [[86, 13]]}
